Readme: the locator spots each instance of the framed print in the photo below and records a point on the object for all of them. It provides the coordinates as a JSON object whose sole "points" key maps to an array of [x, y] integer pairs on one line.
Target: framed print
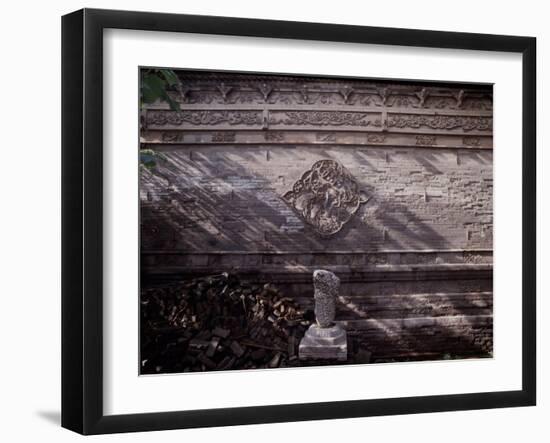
{"points": [[273, 221]]}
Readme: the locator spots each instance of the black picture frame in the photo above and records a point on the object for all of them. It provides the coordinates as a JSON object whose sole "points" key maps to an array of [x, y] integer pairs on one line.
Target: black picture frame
{"points": [[82, 218]]}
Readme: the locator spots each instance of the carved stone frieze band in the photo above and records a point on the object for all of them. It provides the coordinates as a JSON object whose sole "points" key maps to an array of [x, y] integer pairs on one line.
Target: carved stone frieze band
{"points": [[415, 121], [255, 109], [325, 118], [349, 97], [311, 135], [287, 91], [176, 118], [317, 118], [262, 118]]}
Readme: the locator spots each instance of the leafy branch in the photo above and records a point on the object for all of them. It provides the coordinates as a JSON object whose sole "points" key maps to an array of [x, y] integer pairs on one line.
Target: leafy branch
{"points": [[149, 158], [155, 84]]}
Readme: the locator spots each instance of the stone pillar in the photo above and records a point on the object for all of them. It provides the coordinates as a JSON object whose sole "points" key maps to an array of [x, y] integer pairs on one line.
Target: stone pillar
{"points": [[324, 340]]}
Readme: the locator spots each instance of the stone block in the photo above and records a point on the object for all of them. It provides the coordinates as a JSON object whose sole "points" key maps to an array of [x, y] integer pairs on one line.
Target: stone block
{"points": [[324, 344]]}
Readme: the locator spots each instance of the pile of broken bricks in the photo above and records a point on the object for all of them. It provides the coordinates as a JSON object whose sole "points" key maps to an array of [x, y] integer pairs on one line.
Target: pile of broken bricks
{"points": [[219, 323]]}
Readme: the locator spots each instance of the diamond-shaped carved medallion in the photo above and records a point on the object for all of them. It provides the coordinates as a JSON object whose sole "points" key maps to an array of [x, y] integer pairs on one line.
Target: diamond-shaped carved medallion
{"points": [[326, 197]]}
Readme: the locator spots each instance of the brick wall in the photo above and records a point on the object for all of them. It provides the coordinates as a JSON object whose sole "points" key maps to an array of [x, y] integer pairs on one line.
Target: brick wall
{"points": [[208, 199]]}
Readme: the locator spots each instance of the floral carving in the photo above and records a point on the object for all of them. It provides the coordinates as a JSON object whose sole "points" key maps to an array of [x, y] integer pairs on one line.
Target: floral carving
{"points": [[265, 90], [171, 137], [326, 197], [203, 97], [480, 104], [435, 102], [384, 94], [422, 96], [426, 140], [176, 118], [366, 100], [466, 123], [274, 136], [304, 93], [475, 258], [459, 98], [224, 91], [376, 138], [471, 141], [325, 118], [223, 137], [401, 101], [326, 137], [273, 92], [345, 92]]}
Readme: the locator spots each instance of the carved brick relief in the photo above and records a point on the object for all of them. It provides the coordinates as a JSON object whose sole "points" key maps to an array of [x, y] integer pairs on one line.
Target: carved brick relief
{"points": [[471, 141], [426, 140], [325, 118], [223, 137], [172, 137], [376, 138], [415, 121], [319, 92], [326, 137], [176, 118], [326, 197], [274, 136]]}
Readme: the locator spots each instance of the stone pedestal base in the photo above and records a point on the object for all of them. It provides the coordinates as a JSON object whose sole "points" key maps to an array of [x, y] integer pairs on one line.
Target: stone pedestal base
{"points": [[324, 344]]}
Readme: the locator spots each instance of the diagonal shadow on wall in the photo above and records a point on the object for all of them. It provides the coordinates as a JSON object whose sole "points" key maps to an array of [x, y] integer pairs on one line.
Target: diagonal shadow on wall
{"points": [[199, 203]]}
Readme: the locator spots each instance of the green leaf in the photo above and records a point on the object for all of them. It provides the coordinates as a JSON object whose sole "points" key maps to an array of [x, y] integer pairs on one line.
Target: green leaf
{"points": [[154, 84], [149, 158], [170, 76], [152, 87], [174, 105]]}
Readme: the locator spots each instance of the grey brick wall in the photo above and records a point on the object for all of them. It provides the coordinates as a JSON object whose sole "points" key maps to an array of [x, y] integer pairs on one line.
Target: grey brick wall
{"points": [[208, 199]]}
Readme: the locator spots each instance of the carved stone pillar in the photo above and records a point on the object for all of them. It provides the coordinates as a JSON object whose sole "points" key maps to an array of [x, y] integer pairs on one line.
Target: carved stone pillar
{"points": [[324, 340]]}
